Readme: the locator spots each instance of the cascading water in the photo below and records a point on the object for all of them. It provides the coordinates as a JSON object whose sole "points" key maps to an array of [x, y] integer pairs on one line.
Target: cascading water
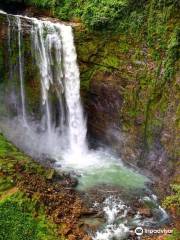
{"points": [[54, 52], [76, 122], [60, 70], [21, 71], [59, 131]]}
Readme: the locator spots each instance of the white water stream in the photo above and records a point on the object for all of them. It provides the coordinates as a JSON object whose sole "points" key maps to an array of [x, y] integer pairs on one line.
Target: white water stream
{"points": [[56, 58], [21, 75]]}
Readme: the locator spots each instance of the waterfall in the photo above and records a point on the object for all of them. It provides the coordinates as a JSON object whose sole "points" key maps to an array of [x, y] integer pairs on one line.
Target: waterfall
{"points": [[20, 63], [61, 71], [76, 122], [54, 53]]}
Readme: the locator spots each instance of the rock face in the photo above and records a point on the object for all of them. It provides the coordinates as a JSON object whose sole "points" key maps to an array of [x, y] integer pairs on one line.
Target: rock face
{"points": [[131, 101], [104, 114], [105, 103]]}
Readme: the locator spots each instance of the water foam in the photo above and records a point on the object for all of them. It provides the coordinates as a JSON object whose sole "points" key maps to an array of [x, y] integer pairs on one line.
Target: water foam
{"points": [[114, 209]]}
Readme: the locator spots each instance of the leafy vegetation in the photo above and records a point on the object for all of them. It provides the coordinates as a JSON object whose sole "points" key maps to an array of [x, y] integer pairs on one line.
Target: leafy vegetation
{"points": [[95, 14], [43, 3], [174, 236], [99, 14], [103, 14], [6, 183], [18, 223], [173, 201]]}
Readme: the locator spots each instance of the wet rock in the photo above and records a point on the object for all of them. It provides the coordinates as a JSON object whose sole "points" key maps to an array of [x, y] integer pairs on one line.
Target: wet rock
{"points": [[69, 182], [145, 212], [72, 237], [103, 111], [46, 158], [87, 238], [88, 211], [132, 212], [91, 223], [66, 231], [132, 234]]}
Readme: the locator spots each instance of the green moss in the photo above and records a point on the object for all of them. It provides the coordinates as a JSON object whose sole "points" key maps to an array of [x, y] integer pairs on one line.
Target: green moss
{"points": [[10, 157], [17, 220], [173, 201], [174, 236], [6, 183], [111, 61], [172, 55], [123, 47], [144, 49], [85, 79], [5, 146]]}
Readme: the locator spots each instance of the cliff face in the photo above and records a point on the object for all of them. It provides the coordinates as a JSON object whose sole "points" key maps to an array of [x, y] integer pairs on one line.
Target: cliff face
{"points": [[129, 84]]}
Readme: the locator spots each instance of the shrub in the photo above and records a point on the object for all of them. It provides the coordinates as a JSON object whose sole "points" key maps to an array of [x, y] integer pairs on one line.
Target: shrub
{"points": [[173, 201]]}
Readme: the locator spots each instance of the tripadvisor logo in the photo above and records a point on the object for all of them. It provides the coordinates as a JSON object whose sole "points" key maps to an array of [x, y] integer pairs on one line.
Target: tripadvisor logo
{"points": [[139, 231]]}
